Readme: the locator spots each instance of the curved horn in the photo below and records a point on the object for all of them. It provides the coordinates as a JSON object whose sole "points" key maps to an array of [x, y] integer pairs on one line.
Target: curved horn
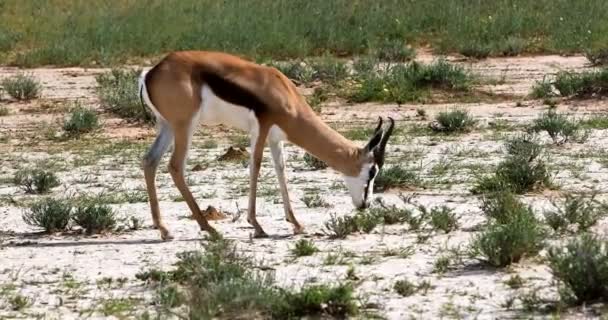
{"points": [[379, 125], [379, 151]]}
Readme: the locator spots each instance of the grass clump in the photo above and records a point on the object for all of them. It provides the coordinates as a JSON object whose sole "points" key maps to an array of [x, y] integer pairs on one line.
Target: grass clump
{"points": [[582, 85], [49, 214], [4, 112], [513, 232], [597, 57], [94, 216], [522, 171], [411, 82], [558, 126], [80, 120], [407, 288], [542, 89], [395, 177], [453, 121], [314, 162], [314, 200], [575, 210], [222, 283], [340, 227], [35, 181], [304, 248], [394, 51], [119, 93], [442, 218], [390, 214], [22, 87], [581, 269]]}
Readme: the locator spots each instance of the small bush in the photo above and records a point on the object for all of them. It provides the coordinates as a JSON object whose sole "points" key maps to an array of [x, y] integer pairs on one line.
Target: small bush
{"points": [[94, 217], [443, 218], [303, 248], [340, 227], [597, 57], [453, 121], [395, 51], [80, 120], [314, 200], [511, 235], [475, 49], [313, 162], [390, 214], [4, 111], [49, 214], [542, 89], [524, 146], [35, 181], [406, 288], [558, 126], [119, 93], [299, 71], [22, 87], [581, 210], [503, 206], [582, 85], [329, 69], [582, 269], [395, 177]]}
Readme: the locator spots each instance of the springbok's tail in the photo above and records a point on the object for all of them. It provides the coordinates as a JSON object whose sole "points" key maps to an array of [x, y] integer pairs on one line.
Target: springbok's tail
{"points": [[144, 97]]}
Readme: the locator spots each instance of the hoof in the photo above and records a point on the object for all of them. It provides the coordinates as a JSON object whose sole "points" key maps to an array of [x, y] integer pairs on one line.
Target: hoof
{"points": [[298, 230], [166, 235], [260, 234]]}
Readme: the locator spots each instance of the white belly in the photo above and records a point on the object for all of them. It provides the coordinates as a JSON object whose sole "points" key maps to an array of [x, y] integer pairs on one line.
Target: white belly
{"points": [[215, 110]]}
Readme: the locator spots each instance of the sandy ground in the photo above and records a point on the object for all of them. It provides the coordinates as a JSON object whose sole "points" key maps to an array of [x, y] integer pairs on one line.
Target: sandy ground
{"points": [[63, 274]]}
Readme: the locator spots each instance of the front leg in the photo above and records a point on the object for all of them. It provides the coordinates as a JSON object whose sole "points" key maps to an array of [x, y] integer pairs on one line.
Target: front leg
{"points": [[257, 145], [276, 148]]}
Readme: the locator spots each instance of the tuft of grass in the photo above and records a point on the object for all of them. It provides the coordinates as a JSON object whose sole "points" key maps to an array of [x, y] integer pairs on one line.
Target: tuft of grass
{"points": [[395, 177], [582, 211], [222, 283], [582, 85], [35, 181], [595, 122], [410, 82], [581, 269], [513, 232], [19, 302], [119, 93], [314, 200], [304, 248], [22, 86], [340, 227], [314, 162], [52, 215], [442, 218], [94, 216], [80, 120], [522, 171], [597, 57], [453, 121], [4, 112], [394, 50], [558, 126], [542, 89], [390, 214], [515, 282], [407, 288]]}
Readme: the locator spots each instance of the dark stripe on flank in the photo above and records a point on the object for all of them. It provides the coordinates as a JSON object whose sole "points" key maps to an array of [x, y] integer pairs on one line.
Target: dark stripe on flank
{"points": [[233, 93]]}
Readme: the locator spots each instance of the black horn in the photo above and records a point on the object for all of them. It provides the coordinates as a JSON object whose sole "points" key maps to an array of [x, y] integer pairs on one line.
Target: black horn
{"points": [[379, 125], [379, 150]]}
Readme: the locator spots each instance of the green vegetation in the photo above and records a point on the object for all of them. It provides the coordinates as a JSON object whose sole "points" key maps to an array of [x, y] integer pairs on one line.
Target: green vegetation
{"points": [[314, 200], [597, 57], [119, 93], [442, 218], [223, 283], [21, 86], [395, 177], [453, 121], [4, 112], [582, 85], [313, 162], [94, 217], [49, 214], [559, 127], [575, 210], [522, 171], [75, 33], [303, 248], [512, 233], [581, 269], [35, 181], [80, 120], [406, 288]]}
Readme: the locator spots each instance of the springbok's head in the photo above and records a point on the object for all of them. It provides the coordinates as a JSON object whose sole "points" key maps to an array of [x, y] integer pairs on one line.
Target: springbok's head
{"points": [[361, 187]]}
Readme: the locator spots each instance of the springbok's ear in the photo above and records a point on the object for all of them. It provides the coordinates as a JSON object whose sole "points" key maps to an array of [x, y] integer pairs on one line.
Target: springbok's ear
{"points": [[374, 141]]}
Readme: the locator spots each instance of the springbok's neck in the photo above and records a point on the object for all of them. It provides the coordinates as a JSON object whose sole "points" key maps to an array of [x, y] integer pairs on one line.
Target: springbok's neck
{"points": [[308, 131]]}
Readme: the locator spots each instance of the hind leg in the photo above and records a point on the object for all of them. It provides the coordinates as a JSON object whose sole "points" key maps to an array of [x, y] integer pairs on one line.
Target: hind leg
{"points": [[150, 164]]}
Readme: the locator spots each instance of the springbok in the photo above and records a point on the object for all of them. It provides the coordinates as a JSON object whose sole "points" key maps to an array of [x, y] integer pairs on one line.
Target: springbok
{"points": [[189, 87]]}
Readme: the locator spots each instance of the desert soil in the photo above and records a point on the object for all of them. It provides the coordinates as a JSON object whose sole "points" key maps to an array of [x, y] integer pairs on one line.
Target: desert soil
{"points": [[63, 274]]}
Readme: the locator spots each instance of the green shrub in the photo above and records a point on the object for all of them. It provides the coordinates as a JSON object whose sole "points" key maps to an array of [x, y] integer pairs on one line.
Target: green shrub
{"points": [[581, 269], [94, 217], [314, 162], [390, 214], [329, 69], [558, 126], [581, 210], [296, 70], [542, 89], [49, 214], [597, 57], [35, 181], [394, 51], [81, 120], [314, 200], [22, 86], [502, 206], [513, 232], [395, 177], [453, 121], [443, 218], [119, 93], [406, 288], [303, 248], [340, 227], [582, 85]]}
